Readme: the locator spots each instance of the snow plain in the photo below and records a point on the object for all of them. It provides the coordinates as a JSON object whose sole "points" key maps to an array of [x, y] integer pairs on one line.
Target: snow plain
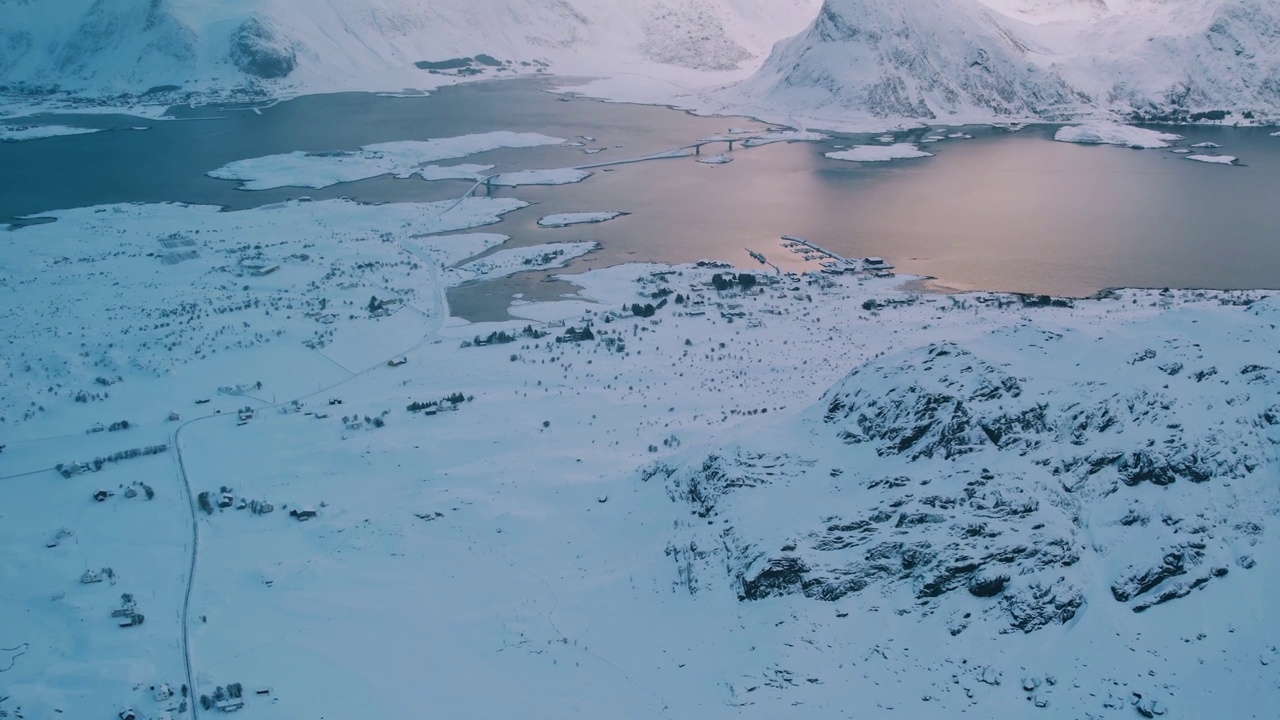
{"points": [[545, 528]]}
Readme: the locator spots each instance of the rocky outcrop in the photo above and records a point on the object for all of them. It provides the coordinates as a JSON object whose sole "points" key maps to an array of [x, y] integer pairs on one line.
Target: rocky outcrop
{"points": [[259, 50], [1078, 456]]}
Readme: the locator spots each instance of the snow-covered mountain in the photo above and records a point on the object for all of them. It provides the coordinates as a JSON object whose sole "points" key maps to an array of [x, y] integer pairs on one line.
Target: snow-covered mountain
{"points": [[869, 61], [97, 47]]}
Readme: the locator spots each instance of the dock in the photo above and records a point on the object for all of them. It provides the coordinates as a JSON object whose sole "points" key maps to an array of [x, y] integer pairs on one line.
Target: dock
{"points": [[839, 265], [821, 250], [760, 258]]}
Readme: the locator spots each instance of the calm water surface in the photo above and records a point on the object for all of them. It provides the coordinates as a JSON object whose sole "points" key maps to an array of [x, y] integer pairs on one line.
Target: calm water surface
{"points": [[1003, 211]]}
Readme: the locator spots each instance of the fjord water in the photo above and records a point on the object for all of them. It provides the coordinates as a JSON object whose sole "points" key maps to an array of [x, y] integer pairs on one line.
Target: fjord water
{"points": [[1001, 211]]}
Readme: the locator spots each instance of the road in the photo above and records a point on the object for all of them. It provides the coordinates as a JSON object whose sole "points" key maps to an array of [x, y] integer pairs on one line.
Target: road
{"points": [[439, 306]]}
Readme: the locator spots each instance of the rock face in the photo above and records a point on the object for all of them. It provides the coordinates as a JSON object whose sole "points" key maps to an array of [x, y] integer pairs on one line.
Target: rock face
{"points": [[958, 60], [259, 51], [690, 34], [994, 479]]}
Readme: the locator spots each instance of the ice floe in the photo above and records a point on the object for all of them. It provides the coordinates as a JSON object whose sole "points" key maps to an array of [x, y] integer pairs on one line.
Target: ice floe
{"points": [[877, 153], [1116, 134], [721, 159], [1213, 159]]}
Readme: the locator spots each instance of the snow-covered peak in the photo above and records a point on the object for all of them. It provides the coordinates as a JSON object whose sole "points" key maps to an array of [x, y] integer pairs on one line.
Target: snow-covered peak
{"points": [[865, 63]]}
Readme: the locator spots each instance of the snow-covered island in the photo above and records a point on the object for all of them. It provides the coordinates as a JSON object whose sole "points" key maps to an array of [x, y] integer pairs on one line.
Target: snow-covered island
{"points": [[560, 220], [1116, 134], [691, 490], [18, 133], [880, 153]]}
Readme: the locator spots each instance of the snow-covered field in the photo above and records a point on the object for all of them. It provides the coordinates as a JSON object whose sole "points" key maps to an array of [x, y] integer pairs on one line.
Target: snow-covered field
{"points": [[782, 494]]}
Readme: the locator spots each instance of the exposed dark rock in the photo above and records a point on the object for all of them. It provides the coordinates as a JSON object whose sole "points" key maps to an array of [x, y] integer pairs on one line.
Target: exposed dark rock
{"points": [[258, 50], [986, 587], [782, 576], [1041, 604]]}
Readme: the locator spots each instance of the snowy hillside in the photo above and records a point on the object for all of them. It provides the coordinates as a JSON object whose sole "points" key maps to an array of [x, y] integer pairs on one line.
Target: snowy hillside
{"points": [[868, 63], [746, 494], [109, 47]]}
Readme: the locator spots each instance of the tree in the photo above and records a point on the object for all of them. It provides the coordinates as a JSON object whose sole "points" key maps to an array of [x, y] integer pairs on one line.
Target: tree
{"points": [[747, 281], [719, 283]]}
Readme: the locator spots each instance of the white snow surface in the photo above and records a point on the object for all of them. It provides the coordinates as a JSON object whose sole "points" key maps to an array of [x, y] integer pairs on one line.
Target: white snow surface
{"points": [[1214, 159], [403, 159], [1103, 133], [880, 153], [17, 133], [943, 505], [581, 218]]}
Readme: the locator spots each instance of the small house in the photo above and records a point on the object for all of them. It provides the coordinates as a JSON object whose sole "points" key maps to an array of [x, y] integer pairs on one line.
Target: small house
{"points": [[129, 714], [131, 620], [303, 514], [226, 501], [230, 705], [162, 692], [397, 362], [90, 576], [101, 495], [174, 417]]}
